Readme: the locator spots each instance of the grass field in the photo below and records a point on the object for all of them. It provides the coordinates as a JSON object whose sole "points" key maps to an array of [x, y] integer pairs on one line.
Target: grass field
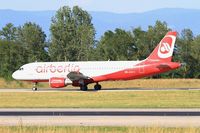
{"points": [[140, 83], [102, 99], [22, 129]]}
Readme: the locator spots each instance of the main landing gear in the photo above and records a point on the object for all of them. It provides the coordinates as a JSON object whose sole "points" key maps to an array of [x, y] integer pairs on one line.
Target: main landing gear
{"points": [[35, 86], [84, 87], [97, 87]]}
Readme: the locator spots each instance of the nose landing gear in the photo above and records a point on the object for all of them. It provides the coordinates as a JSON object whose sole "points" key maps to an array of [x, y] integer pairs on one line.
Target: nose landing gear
{"points": [[35, 86]]}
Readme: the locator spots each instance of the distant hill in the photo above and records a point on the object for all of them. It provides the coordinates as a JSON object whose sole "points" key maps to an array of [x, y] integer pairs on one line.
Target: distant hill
{"points": [[177, 19], [43, 18]]}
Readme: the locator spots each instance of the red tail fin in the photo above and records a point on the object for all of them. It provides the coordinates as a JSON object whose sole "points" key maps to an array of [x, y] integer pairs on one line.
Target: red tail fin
{"points": [[164, 50]]}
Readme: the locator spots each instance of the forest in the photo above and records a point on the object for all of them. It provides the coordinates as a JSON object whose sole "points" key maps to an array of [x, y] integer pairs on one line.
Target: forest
{"points": [[72, 38]]}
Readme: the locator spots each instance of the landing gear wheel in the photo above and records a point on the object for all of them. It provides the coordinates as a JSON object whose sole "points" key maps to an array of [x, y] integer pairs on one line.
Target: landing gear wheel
{"points": [[84, 87], [97, 87], [34, 89]]}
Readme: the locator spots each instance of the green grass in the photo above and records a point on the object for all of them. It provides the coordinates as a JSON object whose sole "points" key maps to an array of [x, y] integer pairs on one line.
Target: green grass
{"points": [[86, 129], [153, 83], [118, 99]]}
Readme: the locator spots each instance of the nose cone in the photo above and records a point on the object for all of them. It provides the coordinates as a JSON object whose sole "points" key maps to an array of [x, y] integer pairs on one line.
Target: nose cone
{"points": [[14, 75]]}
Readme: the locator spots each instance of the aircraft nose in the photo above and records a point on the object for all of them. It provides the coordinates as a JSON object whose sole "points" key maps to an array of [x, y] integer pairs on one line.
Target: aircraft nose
{"points": [[14, 75]]}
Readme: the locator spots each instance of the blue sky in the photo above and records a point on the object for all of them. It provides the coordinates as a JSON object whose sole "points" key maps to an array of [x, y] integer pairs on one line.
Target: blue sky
{"points": [[118, 6]]}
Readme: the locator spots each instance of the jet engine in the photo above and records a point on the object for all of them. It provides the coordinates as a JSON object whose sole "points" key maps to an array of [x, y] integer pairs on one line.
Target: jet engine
{"points": [[57, 82]]}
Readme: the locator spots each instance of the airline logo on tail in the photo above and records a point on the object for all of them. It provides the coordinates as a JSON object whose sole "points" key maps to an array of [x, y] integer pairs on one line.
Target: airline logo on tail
{"points": [[166, 46], [164, 50]]}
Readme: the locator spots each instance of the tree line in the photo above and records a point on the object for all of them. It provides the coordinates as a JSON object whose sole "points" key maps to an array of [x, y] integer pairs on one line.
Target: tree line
{"points": [[72, 38]]}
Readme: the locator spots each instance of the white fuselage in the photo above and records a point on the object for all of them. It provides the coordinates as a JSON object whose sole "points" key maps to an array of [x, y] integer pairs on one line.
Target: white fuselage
{"points": [[46, 70]]}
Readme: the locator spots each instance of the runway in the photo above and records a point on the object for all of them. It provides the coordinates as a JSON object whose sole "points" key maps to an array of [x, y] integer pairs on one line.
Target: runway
{"points": [[99, 112], [101, 117], [107, 89]]}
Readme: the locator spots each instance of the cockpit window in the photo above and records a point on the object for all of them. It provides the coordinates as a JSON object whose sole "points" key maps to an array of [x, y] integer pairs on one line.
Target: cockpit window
{"points": [[21, 68]]}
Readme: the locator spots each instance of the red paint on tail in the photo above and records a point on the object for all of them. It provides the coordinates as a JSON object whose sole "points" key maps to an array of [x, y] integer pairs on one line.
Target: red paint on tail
{"points": [[164, 51]]}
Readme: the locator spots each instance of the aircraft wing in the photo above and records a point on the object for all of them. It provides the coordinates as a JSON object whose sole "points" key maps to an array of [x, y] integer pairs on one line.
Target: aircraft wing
{"points": [[73, 76]]}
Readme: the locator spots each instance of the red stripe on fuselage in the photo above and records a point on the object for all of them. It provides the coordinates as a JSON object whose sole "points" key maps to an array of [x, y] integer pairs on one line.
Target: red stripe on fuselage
{"points": [[139, 71], [34, 81]]}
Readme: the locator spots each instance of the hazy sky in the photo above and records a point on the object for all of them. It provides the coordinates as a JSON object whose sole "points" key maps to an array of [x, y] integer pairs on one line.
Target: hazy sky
{"points": [[119, 6]]}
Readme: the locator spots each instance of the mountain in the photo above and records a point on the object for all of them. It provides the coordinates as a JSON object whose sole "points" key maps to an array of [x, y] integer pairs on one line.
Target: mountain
{"points": [[177, 19], [43, 18]]}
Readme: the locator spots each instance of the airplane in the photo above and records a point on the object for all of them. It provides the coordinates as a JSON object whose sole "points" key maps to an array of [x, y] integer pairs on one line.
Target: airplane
{"points": [[82, 73]]}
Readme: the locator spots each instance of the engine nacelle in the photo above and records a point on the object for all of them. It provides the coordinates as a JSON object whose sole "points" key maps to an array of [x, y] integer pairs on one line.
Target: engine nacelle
{"points": [[56, 82]]}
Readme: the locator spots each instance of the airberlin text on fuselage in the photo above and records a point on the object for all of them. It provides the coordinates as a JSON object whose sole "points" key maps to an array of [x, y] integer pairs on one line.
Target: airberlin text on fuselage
{"points": [[57, 68]]}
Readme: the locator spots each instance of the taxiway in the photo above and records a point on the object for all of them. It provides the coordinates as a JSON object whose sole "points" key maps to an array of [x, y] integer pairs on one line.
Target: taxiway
{"points": [[101, 117]]}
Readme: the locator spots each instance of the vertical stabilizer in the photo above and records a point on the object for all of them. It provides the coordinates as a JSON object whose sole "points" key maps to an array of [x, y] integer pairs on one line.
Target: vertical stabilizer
{"points": [[164, 50]]}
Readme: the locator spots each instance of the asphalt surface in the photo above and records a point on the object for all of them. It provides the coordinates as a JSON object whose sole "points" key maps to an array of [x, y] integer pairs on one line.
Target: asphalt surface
{"points": [[101, 117], [107, 89], [96, 112]]}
